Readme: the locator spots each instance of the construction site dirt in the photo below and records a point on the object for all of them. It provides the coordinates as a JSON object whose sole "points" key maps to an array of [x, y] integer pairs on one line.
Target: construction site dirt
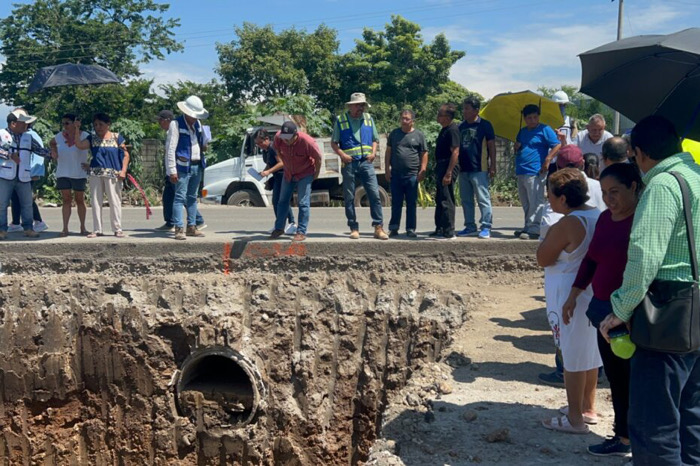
{"points": [[246, 353]]}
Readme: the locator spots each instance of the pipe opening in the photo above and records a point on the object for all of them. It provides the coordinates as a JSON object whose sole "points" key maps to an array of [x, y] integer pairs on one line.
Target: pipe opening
{"points": [[218, 387]]}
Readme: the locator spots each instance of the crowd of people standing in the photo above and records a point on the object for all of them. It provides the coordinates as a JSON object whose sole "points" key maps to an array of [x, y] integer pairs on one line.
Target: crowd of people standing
{"points": [[600, 262]]}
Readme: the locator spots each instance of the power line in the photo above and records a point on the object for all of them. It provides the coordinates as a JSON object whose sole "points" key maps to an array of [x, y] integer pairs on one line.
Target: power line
{"points": [[80, 46]]}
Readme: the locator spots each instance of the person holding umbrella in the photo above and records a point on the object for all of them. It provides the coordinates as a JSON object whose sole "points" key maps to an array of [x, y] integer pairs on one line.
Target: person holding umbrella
{"points": [[535, 143], [107, 171], [71, 177]]}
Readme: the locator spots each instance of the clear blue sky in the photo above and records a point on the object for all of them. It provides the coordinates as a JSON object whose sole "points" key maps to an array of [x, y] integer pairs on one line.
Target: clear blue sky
{"points": [[510, 44]]}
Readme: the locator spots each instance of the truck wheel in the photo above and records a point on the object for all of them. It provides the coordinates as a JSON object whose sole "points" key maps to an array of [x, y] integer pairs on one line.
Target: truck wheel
{"points": [[244, 198], [361, 199]]}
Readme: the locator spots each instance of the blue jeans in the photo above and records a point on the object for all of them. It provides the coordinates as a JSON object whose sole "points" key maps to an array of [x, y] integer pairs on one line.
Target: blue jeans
{"points": [[363, 170], [664, 410], [24, 191], [303, 187], [169, 199], [276, 190], [403, 187], [531, 193], [186, 191], [17, 207], [471, 183]]}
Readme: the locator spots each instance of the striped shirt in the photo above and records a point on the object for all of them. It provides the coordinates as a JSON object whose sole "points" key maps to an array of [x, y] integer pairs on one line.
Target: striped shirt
{"points": [[658, 247]]}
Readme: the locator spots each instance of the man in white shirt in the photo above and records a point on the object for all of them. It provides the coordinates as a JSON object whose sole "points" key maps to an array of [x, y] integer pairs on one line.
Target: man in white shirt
{"points": [[591, 139], [185, 163]]}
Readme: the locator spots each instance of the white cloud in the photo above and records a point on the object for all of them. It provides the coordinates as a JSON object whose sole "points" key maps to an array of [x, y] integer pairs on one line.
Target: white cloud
{"points": [[542, 55], [172, 71], [455, 34]]}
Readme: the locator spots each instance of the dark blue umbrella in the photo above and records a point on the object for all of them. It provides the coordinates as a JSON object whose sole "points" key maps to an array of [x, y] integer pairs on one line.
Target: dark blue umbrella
{"points": [[648, 75], [71, 74]]}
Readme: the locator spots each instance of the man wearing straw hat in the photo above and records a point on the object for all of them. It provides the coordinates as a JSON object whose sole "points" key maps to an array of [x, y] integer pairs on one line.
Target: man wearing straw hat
{"points": [[355, 139], [185, 163]]}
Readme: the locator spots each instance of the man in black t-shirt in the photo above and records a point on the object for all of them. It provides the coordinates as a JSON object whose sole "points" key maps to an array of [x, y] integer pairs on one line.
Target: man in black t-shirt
{"points": [[446, 157], [405, 163], [475, 169], [275, 168]]}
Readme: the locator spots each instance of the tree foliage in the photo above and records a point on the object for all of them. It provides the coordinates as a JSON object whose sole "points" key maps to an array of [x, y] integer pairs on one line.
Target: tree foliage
{"points": [[117, 34], [582, 106], [395, 67], [260, 64]]}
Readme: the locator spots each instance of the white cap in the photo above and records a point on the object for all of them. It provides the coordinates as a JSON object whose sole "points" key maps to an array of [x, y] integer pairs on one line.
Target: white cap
{"points": [[561, 98]]}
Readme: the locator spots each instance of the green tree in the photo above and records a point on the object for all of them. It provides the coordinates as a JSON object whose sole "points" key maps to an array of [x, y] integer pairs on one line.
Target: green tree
{"points": [[395, 67], [118, 34], [260, 64], [582, 106]]}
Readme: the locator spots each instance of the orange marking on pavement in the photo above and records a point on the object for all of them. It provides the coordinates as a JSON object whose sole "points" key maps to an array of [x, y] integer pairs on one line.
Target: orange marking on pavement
{"points": [[227, 255], [265, 250]]}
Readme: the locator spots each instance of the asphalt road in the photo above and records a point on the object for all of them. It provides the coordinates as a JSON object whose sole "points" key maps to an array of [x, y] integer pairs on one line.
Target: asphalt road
{"points": [[227, 223]]}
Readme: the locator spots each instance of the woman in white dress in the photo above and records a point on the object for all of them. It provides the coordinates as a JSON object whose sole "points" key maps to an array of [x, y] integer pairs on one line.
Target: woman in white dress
{"points": [[560, 254]]}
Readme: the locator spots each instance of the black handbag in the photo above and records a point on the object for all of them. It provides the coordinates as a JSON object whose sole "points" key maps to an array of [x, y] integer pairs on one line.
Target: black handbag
{"points": [[668, 318]]}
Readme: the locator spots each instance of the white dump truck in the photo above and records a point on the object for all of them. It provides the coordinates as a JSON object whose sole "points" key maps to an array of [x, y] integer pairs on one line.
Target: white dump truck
{"points": [[230, 183]]}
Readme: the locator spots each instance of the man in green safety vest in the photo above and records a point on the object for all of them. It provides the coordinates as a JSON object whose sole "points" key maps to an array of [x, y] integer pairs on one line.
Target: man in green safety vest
{"points": [[355, 139]]}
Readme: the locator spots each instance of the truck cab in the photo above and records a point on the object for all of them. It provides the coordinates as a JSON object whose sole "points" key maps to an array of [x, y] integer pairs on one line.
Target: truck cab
{"points": [[230, 182]]}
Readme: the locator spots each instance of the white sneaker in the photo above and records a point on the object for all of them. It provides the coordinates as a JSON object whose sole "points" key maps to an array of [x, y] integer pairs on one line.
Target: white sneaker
{"points": [[40, 226], [291, 229], [14, 228]]}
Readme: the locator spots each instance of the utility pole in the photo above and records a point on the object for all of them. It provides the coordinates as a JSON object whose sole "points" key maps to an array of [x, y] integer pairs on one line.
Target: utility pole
{"points": [[616, 122]]}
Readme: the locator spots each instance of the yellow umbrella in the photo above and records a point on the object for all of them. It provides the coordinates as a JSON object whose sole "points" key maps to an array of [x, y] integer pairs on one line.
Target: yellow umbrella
{"points": [[693, 147], [504, 112]]}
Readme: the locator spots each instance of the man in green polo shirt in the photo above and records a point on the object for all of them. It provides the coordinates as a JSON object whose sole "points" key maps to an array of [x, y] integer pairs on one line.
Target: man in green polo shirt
{"points": [[664, 411]]}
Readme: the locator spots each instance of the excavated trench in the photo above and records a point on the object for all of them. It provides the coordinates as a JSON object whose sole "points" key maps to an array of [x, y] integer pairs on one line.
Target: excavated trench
{"points": [[135, 359]]}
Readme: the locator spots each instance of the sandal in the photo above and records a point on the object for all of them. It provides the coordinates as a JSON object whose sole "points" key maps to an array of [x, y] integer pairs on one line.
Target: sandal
{"points": [[591, 420], [120, 234], [94, 234], [63, 234], [84, 233], [562, 424]]}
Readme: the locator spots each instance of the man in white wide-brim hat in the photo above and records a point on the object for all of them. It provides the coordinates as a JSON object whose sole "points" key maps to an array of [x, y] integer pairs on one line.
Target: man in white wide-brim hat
{"points": [[356, 140], [185, 163]]}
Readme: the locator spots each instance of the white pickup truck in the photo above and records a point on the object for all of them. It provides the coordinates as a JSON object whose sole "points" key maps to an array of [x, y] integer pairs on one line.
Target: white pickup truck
{"points": [[229, 182]]}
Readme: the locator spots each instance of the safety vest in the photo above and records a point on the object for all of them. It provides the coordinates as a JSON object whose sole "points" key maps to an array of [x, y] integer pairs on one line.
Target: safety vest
{"points": [[349, 143], [8, 168], [183, 151]]}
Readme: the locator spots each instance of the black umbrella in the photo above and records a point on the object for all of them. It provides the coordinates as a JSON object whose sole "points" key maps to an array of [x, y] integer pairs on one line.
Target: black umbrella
{"points": [[645, 75], [69, 74]]}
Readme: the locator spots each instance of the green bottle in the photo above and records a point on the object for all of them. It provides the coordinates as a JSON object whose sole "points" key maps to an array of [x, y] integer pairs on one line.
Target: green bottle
{"points": [[620, 342]]}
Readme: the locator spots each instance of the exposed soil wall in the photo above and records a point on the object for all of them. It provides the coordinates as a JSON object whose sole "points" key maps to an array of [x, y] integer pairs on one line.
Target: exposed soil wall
{"points": [[87, 360]]}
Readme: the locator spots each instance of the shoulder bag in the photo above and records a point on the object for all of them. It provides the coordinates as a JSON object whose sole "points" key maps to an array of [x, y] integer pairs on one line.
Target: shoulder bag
{"points": [[668, 318]]}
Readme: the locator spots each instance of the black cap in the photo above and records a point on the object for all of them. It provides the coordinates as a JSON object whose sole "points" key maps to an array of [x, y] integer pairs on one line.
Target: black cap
{"points": [[289, 129], [165, 115]]}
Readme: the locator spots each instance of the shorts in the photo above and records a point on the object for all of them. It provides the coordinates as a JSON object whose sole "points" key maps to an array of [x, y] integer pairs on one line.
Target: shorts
{"points": [[75, 184]]}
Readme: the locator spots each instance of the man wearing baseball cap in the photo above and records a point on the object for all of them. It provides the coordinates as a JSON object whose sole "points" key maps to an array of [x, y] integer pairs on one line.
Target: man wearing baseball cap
{"points": [[302, 161], [185, 163], [355, 139], [164, 118], [15, 169]]}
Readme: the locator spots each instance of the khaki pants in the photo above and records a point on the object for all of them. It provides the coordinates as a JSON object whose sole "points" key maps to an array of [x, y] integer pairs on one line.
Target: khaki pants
{"points": [[99, 185]]}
